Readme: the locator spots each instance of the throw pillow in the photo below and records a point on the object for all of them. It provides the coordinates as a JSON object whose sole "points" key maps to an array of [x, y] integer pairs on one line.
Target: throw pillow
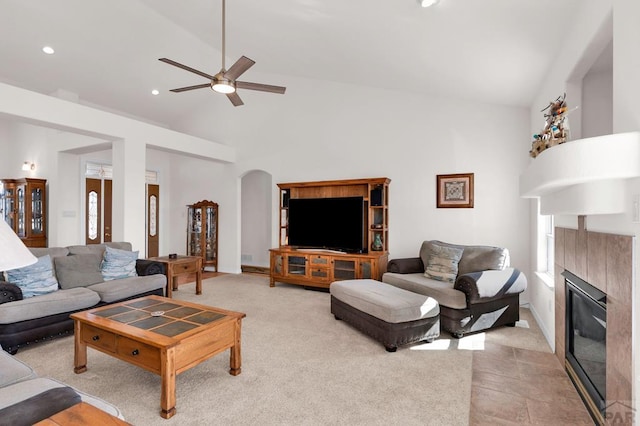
{"points": [[9, 292], [36, 279], [443, 263], [78, 270], [118, 264]]}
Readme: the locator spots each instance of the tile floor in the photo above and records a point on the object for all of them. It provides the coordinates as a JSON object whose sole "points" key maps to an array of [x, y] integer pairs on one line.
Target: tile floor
{"points": [[521, 386]]}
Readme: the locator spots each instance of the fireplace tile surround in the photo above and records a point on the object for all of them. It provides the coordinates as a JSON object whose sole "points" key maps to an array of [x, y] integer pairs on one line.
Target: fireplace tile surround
{"points": [[606, 262]]}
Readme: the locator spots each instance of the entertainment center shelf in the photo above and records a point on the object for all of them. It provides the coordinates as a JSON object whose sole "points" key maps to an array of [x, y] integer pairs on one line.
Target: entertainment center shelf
{"points": [[320, 267]]}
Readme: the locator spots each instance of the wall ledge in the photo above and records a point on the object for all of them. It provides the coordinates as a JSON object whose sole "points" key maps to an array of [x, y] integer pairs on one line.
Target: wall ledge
{"points": [[583, 167]]}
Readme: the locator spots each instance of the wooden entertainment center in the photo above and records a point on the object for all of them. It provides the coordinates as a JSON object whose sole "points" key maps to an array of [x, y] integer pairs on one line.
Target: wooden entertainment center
{"points": [[319, 268]]}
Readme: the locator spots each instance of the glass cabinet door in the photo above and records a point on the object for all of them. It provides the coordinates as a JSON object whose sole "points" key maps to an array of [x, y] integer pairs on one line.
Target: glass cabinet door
{"points": [[8, 206], [194, 230], [20, 211], [210, 233], [37, 211]]}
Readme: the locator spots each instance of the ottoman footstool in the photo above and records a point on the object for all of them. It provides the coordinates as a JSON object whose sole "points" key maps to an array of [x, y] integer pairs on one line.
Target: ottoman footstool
{"points": [[389, 314]]}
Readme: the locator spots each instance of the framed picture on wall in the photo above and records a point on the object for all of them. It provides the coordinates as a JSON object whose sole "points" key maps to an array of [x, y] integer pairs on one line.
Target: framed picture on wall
{"points": [[455, 191]]}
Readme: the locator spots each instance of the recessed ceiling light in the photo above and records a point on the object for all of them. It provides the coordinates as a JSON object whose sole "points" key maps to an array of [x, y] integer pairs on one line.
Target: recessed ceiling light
{"points": [[155, 92], [48, 50], [427, 3]]}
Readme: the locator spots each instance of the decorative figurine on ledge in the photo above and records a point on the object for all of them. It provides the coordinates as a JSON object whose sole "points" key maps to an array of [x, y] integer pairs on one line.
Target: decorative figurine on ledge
{"points": [[556, 126]]}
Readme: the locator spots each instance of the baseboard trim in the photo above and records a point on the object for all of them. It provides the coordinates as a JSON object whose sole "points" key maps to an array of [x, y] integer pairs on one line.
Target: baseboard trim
{"points": [[545, 332], [255, 269]]}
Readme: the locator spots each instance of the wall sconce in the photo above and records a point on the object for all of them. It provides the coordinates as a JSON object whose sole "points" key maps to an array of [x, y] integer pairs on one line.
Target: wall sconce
{"points": [[28, 166]]}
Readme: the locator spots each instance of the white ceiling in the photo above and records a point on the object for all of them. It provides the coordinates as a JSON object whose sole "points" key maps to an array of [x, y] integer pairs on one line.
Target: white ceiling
{"points": [[493, 51]]}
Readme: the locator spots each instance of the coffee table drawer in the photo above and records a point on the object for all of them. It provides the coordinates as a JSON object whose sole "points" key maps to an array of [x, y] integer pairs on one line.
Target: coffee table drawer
{"points": [[138, 353], [98, 338]]}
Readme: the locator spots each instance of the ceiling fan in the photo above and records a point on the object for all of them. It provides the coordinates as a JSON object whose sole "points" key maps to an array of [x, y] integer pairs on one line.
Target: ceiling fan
{"points": [[225, 81]]}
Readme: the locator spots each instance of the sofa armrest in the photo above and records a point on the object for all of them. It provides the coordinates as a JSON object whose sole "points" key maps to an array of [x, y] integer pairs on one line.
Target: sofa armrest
{"points": [[149, 267], [9, 292], [407, 265], [490, 285]]}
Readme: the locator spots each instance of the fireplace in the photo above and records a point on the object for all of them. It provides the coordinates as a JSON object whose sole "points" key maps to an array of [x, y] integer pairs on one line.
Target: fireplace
{"points": [[585, 339]]}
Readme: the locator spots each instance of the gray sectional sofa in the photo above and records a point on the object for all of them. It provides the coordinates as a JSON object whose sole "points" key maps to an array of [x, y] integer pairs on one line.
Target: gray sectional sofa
{"points": [[483, 294], [26, 399], [81, 287]]}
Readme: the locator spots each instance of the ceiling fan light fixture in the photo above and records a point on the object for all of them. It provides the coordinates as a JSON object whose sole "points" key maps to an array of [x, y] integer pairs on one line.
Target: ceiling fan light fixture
{"points": [[428, 3], [223, 87], [221, 84]]}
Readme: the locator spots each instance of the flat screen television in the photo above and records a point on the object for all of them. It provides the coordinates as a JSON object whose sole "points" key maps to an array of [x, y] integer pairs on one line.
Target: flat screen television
{"points": [[327, 223]]}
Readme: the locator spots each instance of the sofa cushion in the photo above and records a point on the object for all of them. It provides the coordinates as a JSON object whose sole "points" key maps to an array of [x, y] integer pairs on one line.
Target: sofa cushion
{"points": [[442, 264], [98, 248], [114, 290], [40, 406], [36, 279], [79, 270], [483, 258], [57, 302], [51, 251], [442, 291], [118, 264], [13, 370], [28, 388], [9, 292], [474, 258]]}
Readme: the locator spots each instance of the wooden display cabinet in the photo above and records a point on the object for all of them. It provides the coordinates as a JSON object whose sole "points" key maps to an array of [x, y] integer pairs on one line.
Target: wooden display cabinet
{"points": [[23, 203], [202, 232], [319, 268]]}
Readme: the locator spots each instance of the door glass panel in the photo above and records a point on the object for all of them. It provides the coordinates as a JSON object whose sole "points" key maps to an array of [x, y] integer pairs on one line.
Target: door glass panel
{"points": [[20, 212], [93, 215], [153, 208], [36, 211]]}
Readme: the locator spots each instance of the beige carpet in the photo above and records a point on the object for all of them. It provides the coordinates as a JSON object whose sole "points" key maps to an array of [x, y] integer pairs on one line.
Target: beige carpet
{"points": [[299, 367]]}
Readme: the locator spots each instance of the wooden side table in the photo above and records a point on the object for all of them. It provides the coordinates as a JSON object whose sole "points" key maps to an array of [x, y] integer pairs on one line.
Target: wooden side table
{"points": [[178, 266]]}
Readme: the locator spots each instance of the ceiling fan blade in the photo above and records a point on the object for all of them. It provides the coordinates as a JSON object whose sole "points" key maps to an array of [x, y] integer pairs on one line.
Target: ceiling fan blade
{"points": [[260, 87], [239, 68], [186, 68], [197, 86], [235, 99]]}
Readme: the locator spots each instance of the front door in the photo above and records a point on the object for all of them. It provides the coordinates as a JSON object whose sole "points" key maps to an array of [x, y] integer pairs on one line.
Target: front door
{"points": [[98, 210], [153, 207]]}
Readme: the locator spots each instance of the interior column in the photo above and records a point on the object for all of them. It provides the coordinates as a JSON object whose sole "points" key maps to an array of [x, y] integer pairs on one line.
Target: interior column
{"points": [[129, 160]]}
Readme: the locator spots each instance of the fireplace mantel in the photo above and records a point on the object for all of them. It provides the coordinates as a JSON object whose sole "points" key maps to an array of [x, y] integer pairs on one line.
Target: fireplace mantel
{"points": [[585, 176]]}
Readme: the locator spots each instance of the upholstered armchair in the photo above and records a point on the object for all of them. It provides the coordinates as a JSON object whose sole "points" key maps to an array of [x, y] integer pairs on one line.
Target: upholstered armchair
{"points": [[474, 285]]}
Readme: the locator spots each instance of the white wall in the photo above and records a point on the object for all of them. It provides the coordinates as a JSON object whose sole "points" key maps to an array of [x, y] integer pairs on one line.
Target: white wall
{"points": [[591, 33], [323, 130], [183, 180], [601, 22], [597, 101]]}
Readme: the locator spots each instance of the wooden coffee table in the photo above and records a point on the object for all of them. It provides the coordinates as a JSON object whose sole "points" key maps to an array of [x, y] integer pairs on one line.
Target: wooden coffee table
{"points": [[82, 414], [178, 266], [184, 335]]}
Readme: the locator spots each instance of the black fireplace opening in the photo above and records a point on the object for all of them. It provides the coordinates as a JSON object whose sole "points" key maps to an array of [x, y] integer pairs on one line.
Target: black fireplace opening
{"points": [[586, 336]]}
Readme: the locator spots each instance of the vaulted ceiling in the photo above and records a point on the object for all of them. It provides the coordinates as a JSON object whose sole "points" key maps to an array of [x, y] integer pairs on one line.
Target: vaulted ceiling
{"points": [[107, 52]]}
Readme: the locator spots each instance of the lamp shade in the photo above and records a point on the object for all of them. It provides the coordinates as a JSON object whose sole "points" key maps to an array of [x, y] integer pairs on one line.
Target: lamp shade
{"points": [[13, 253]]}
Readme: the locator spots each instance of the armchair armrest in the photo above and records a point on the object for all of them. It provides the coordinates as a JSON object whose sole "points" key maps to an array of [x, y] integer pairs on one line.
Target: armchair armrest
{"points": [[149, 267], [490, 285], [407, 265]]}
